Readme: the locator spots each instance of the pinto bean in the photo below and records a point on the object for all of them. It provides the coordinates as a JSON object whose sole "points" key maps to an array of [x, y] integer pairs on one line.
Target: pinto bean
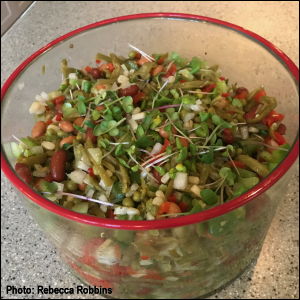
{"points": [[39, 129]]}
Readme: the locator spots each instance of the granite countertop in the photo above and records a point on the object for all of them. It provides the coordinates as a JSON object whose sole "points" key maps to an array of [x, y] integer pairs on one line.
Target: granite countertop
{"points": [[28, 258]]}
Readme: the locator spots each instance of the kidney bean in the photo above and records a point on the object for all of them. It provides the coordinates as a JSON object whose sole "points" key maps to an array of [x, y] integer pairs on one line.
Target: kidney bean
{"points": [[24, 172], [241, 89], [39, 129], [82, 186], [130, 91], [58, 165], [281, 129], [79, 121], [68, 140], [95, 73], [58, 107], [89, 134], [66, 126]]}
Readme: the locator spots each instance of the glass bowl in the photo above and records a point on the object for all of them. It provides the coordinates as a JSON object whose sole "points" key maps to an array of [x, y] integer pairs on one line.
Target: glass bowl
{"points": [[190, 256]]}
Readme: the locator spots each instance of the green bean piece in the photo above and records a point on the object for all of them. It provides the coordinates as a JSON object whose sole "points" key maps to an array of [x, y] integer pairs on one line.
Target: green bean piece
{"points": [[110, 158], [269, 103], [254, 165], [85, 154], [250, 105], [127, 202], [169, 190], [100, 56], [88, 144], [116, 62], [96, 211], [109, 166], [144, 70], [251, 95], [143, 189], [124, 178], [30, 161], [77, 153], [94, 183], [103, 175], [61, 88], [203, 169]]}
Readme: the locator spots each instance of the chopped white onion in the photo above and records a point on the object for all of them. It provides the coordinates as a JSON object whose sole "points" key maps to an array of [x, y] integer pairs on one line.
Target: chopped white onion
{"points": [[77, 176], [37, 108], [188, 117], [40, 98], [156, 149], [149, 216], [73, 76], [121, 210], [133, 124], [48, 145], [54, 127], [253, 129], [139, 116], [44, 95], [39, 174], [171, 79], [60, 189], [38, 167], [165, 178], [90, 193], [244, 132], [180, 181]]}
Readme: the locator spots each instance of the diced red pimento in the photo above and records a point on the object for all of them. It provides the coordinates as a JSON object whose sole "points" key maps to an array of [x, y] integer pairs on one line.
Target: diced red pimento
{"points": [[222, 78], [236, 163], [209, 88], [259, 95]]}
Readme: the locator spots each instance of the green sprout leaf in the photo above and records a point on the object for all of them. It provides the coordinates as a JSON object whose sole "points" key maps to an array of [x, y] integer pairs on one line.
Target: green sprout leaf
{"points": [[209, 197], [80, 129], [123, 162]]}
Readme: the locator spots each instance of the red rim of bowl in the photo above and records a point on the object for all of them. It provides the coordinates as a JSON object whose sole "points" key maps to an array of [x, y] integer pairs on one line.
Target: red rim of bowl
{"points": [[155, 224]]}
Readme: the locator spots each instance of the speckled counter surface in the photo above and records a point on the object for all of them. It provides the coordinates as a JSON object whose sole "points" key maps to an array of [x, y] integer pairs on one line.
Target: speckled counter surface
{"points": [[28, 259]]}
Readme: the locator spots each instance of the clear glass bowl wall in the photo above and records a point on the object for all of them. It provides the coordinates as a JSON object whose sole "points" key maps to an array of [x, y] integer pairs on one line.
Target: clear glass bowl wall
{"points": [[205, 263]]}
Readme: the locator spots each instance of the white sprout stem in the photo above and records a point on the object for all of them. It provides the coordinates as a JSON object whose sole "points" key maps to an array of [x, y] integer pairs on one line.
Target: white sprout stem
{"points": [[77, 86], [145, 84], [233, 164], [263, 144], [71, 94], [144, 169], [143, 53], [156, 156], [20, 142], [156, 96], [82, 197], [209, 184], [169, 66], [120, 143], [142, 150], [164, 161], [180, 107], [229, 189], [195, 92], [160, 159], [114, 147], [181, 93], [259, 136]]}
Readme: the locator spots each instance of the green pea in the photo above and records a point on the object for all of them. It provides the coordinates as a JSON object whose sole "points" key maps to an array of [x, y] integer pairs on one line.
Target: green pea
{"points": [[77, 201], [128, 202], [137, 196], [87, 85], [79, 137], [114, 178], [143, 105], [183, 113], [50, 103], [167, 167], [107, 75], [154, 210], [62, 88], [132, 54], [50, 131], [239, 151], [149, 205], [72, 186], [61, 133]]}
